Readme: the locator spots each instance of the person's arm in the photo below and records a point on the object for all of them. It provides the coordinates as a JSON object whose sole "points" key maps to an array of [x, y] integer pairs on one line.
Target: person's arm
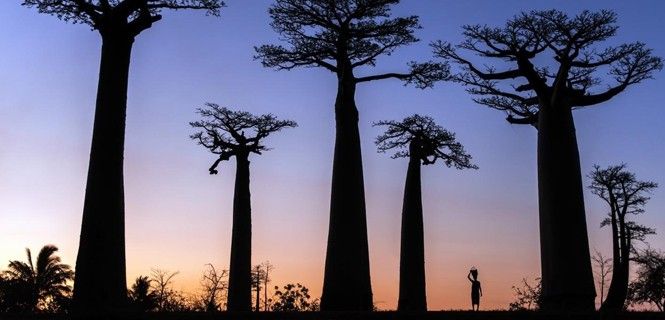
{"points": [[480, 288], [468, 276]]}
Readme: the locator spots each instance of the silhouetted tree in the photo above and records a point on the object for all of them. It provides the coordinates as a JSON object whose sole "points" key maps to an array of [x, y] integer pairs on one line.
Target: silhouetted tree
{"points": [[223, 133], [102, 241], [342, 37], [141, 297], [424, 142], [649, 284], [42, 285], [625, 195], [258, 274], [540, 92], [293, 297], [527, 296], [162, 281], [267, 269], [214, 288], [603, 271]]}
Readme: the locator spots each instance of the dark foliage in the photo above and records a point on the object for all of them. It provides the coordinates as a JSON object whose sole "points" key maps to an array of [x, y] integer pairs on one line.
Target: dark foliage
{"points": [[649, 284], [433, 142], [341, 35], [136, 15], [527, 296], [572, 76], [43, 285], [229, 133], [293, 297], [141, 296]]}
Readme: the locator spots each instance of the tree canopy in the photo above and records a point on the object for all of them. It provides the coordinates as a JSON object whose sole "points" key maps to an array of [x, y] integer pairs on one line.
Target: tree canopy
{"points": [[625, 195], [434, 142], [341, 35], [223, 131], [138, 15], [523, 79]]}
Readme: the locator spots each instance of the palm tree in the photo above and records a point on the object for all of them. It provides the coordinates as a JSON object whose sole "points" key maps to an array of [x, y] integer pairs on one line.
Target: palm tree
{"points": [[140, 296], [38, 287]]}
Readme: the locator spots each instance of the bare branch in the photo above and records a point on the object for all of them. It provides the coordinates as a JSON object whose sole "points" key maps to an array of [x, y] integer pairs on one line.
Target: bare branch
{"points": [[421, 138]]}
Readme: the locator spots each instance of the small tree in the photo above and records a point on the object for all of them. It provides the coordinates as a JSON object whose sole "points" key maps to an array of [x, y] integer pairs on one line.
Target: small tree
{"points": [[424, 142], [267, 268], [343, 37], [238, 134], [258, 274], [162, 282], [293, 297], [213, 289], [40, 285], [649, 285], [102, 241], [527, 296], [603, 270], [534, 89], [141, 297], [626, 196]]}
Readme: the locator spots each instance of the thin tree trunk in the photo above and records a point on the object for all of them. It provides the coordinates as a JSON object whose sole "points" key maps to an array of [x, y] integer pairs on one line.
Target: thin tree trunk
{"points": [[265, 290], [412, 290], [567, 278], [618, 290], [240, 270], [346, 284], [258, 287], [100, 265]]}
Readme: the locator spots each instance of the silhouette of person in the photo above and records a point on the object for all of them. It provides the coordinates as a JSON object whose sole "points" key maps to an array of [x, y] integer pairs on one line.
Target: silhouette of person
{"points": [[476, 289]]}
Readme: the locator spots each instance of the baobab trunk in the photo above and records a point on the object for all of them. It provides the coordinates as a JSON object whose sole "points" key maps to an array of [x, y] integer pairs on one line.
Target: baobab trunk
{"points": [[100, 265], [346, 284], [567, 278], [412, 292], [240, 270], [618, 290]]}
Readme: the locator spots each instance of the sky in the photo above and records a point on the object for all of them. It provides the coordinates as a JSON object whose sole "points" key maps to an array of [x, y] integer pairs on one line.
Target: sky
{"points": [[178, 217]]}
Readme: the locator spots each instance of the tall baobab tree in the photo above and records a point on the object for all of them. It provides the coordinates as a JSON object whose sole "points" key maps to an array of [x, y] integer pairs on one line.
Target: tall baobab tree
{"points": [[625, 195], [342, 37], [424, 142], [102, 241], [238, 134], [542, 92]]}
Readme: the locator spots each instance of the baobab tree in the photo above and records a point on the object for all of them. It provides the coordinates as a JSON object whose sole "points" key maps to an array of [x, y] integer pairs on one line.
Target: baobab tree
{"points": [[536, 90], [342, 37], [424, 142], [626, 196], [102, 240], [238, 134]]}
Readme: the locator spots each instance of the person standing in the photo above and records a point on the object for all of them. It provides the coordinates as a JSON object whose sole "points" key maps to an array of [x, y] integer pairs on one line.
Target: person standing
{"points": [[476, 289]]}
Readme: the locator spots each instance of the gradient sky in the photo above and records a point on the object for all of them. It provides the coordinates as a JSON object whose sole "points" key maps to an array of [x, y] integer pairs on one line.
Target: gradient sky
{"points": [[178, 216]]}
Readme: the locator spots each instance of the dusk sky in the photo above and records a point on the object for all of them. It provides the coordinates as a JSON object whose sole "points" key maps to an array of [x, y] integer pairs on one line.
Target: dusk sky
{"points": [[178, 217]]}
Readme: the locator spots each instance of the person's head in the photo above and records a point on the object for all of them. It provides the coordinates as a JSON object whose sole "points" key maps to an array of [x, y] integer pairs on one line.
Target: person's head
{"points": [[474, 273]]}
